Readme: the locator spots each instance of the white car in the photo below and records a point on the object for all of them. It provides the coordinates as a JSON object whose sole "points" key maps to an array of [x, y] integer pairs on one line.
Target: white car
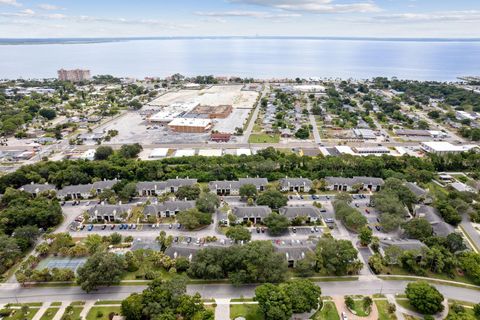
{"points": [[344, 316]]}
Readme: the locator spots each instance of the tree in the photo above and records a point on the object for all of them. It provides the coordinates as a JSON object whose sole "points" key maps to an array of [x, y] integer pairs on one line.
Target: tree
{"points": [[103, 153], [272, 198], [193, 218], [94, 243], [424, 297], [303, 132], [470, 263], [337, 257], [350, 303], [273, 302], [9, 253], [207, 202], [188, 192], [26, 236], [304, 295], [367, 303], [165, 300], [418, 228], [376, 263], [47, 113], [128, 191], [248, 191], [130, 151], [101, 269], [365, 236], [476, 309], [164, 240], [238, 233], [276, 223]]}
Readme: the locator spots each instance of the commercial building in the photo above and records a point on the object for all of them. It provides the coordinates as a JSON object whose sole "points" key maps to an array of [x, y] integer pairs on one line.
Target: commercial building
{"points": [[364, 134], [158, 153], [443, 147], [220, 137], [171, 112], [210, 152], [371, 150], [212, 112], [76, 75], [190, 125]]}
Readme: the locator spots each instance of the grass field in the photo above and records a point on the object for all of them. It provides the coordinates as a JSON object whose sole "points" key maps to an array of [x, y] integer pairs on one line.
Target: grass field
{"points": [[248, 311], [101, 313], [406, 304], [49, 314], [382, 306], [74, 312], [328, 312], [108, 302], [17, 314], [359, 310], [264, 138]]}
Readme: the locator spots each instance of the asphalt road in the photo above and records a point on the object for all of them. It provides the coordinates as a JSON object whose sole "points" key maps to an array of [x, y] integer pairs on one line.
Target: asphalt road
{"points": [[364, 286]]}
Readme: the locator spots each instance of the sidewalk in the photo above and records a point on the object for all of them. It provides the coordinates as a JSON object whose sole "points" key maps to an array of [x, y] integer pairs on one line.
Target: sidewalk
{"points": [[222, 311]]}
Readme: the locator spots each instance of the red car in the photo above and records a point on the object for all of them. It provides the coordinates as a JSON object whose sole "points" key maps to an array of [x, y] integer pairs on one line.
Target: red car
{"points": [[367, 211]]}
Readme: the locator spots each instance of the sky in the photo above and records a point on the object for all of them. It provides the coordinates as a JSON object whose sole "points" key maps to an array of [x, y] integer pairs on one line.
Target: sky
{"points": [[323, 18]]}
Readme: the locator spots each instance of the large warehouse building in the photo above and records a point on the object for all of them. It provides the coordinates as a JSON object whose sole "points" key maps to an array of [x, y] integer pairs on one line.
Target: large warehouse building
{"points": [[212, 112], [190, 125]]}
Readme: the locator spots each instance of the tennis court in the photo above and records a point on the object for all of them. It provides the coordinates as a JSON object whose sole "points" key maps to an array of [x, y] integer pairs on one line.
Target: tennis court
{"points": [[61, 263]]}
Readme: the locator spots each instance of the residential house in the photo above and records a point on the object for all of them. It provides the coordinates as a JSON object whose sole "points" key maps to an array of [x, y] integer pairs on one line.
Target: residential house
{"points": [[253, 214], [168, 208], [227, 188], [75, 192], [109, 213], [404, 244], [347, 184], [35, 188], [311, 213], [293, 254], [99, 186], [440, 227], [295, 184]]}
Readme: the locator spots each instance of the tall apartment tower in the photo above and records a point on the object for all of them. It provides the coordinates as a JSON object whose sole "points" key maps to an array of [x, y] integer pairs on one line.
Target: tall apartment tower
{"points": [[76, 75]]}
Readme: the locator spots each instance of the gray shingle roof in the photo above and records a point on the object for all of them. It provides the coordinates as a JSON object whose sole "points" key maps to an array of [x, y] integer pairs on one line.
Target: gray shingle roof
{"points": [[154, 209], [104, 184], [440, 227], [355, 180], [36, 187], [78, 188], [108, 209], [300, 211], [419, 192], [405, 244], [287, 182], [247, 212]]}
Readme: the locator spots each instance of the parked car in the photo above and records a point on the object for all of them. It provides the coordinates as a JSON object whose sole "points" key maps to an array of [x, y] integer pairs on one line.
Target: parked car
{"points": [[112, 227], [294, 230], [104, 227], [82, 227], [170, 226], [90, 227]]}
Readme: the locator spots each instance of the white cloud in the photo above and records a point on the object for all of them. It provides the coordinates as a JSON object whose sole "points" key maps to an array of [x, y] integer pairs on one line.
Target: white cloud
{"points": [[49, 7], [461, 16], [315, 6], [252, 14], [10, 3]]}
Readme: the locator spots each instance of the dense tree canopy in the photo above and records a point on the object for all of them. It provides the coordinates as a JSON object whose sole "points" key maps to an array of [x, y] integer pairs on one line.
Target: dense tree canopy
{"points": [[424, 297], [101, 269]]}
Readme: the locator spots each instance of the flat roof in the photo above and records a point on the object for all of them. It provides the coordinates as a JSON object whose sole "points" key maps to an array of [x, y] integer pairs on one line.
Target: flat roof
{"points": [[345, 149], [443, 146], [185, 153], [190, 122], [246, 152], [210, 152], [158, 153]]}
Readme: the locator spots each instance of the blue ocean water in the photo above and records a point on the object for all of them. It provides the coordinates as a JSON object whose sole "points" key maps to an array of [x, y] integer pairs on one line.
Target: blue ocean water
{"points": [[248, 57]]}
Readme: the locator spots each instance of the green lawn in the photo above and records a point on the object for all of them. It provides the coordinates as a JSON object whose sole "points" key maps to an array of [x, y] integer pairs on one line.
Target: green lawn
{"points": [[359, 311], [17, 314], [382, 306], [406, 304], [101, 313], [328, 312], [108, 302], [248, 311], [49, 314], [264, 138], [74, 313], [56, 304]]}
